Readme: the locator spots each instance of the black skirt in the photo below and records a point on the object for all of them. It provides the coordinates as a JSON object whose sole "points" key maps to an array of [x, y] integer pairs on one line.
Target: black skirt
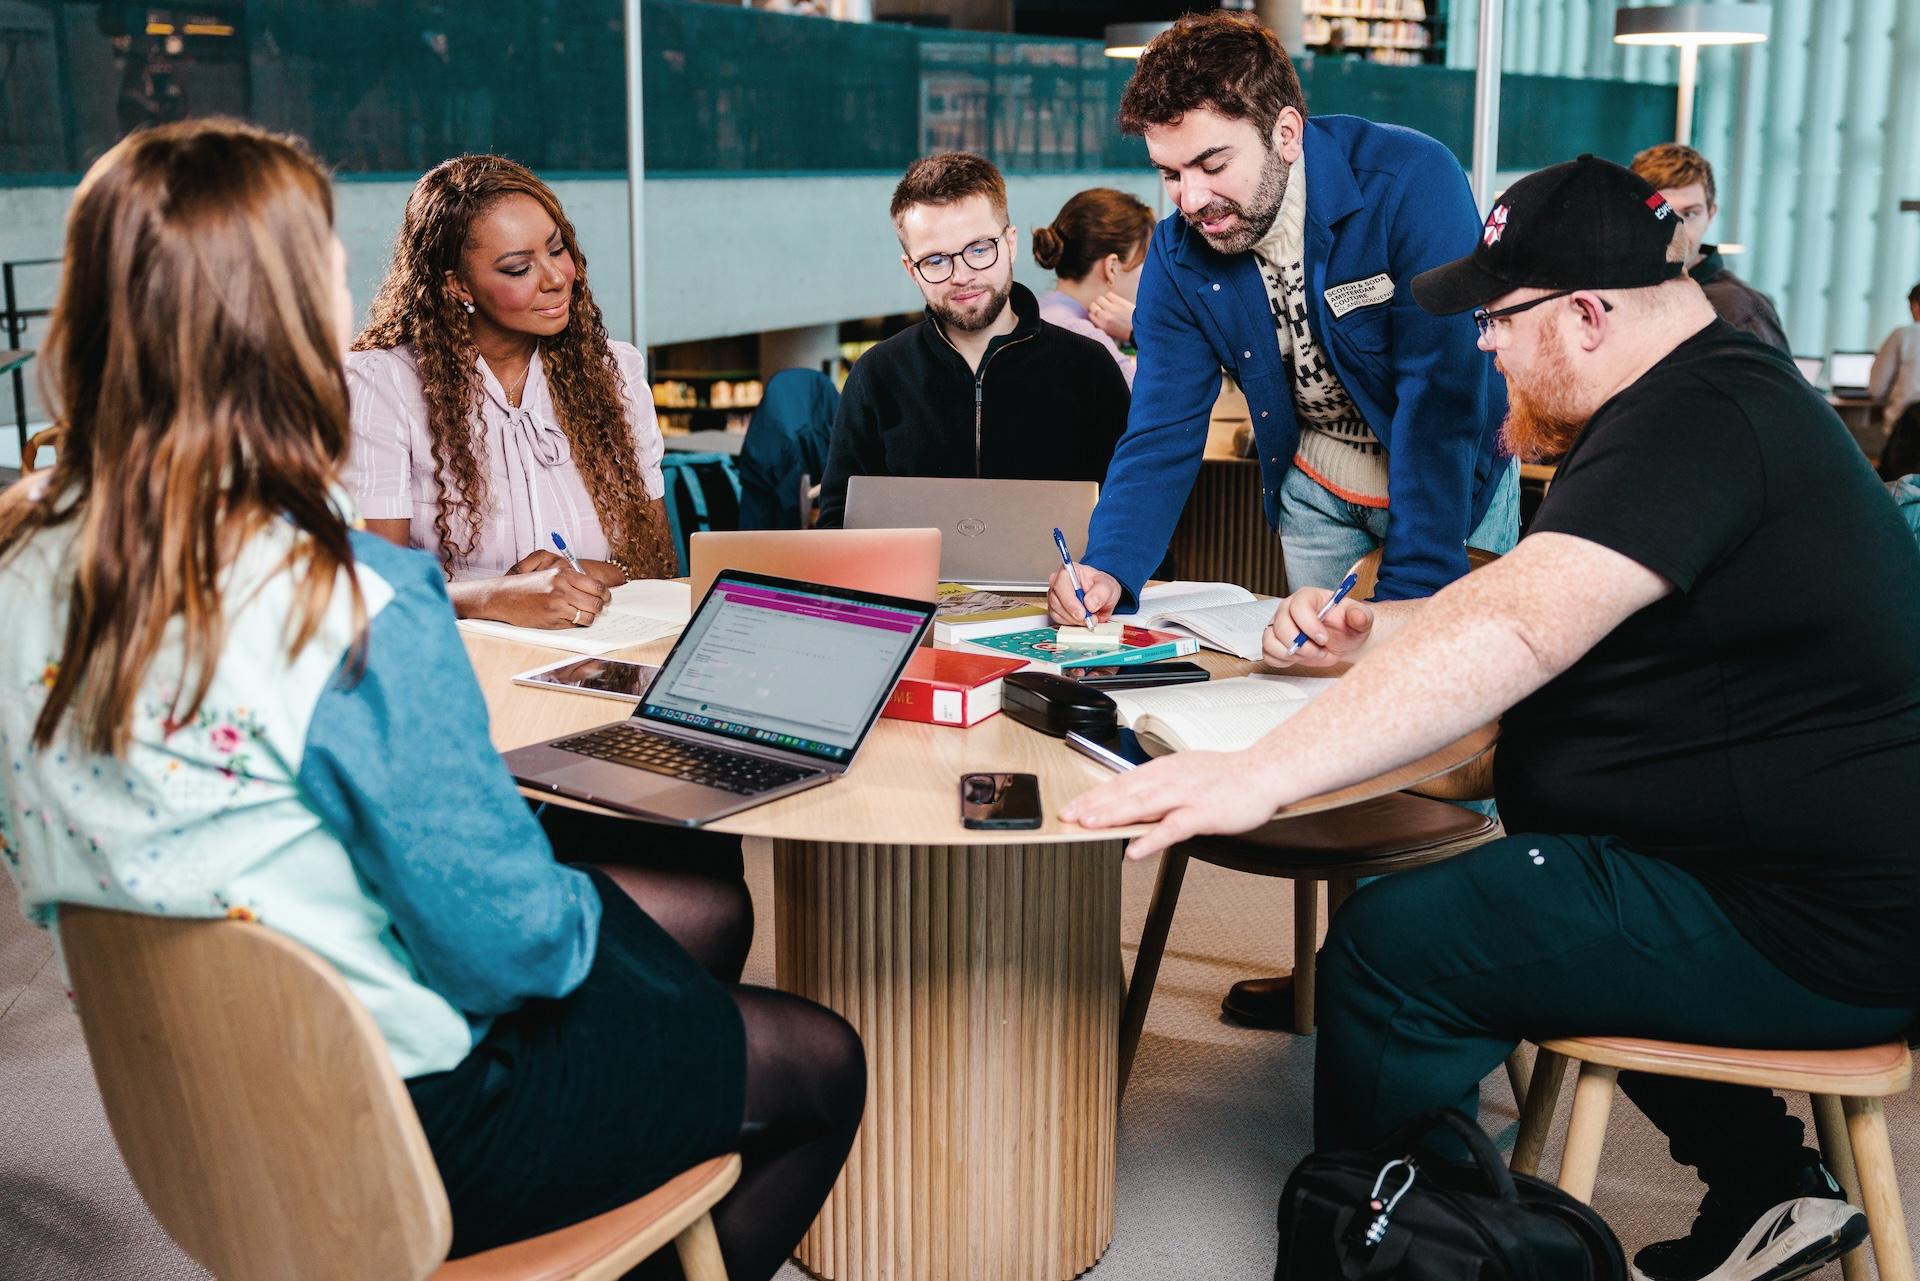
{"points": [[569, 1108]]}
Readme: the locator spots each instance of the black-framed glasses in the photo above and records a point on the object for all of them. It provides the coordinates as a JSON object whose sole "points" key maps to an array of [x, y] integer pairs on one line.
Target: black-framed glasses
{"points": [[937, 269], [1484, 318]]}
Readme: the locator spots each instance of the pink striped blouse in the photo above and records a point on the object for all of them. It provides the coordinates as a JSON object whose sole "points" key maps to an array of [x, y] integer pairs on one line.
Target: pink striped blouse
{"points": [[533, 486]]}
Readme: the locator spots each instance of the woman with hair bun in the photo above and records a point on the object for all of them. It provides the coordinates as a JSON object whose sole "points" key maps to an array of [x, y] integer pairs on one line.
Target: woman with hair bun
{"points": [[1096, 246]]}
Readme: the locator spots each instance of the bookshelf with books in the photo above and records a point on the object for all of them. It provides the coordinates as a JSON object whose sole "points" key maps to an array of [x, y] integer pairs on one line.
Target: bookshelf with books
{"points": [[1390, 32], [705, 400]]}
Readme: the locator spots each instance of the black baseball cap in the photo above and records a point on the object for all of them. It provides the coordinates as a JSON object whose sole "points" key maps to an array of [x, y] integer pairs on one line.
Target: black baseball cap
{"points": [[1581, 224]]}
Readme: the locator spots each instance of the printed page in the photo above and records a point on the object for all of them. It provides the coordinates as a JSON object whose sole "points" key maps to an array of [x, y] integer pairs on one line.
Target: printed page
{"points": [[1169, 598], [1224, 716], [1233, 628]]}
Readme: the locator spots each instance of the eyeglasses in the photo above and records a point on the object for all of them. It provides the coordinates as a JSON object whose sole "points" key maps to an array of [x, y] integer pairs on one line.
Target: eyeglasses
{"points": [[1484, 318], [937, 269]]}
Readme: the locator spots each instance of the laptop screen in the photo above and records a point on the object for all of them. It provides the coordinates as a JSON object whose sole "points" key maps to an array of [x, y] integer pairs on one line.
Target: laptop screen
{"points": [[796, 666], [1811, 367], [1850, 369]]}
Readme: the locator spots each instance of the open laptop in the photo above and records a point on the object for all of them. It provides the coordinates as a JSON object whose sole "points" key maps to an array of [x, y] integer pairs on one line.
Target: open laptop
{"points": [[893, 562], [770, 690], [993, 533], [1850, 372], [1811, 368]]}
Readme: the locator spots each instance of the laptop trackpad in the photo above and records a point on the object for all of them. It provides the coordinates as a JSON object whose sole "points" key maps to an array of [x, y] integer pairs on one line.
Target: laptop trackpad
{"points": [[621, 785]]}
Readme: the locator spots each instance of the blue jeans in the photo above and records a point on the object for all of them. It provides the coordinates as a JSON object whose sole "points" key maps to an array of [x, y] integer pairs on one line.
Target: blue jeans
{"points": [[1322, 534]]}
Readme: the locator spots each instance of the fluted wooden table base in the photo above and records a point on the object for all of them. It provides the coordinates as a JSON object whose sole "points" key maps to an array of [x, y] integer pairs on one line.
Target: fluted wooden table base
{"points": [[985, 983]]}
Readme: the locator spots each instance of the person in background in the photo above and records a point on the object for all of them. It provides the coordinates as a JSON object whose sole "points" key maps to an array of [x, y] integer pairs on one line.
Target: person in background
{"points": [[1707, 782], [1894, 383], [1097, 245], [491, 410], [786, 440], [1684, 178], [225, 701], [983, 386]]}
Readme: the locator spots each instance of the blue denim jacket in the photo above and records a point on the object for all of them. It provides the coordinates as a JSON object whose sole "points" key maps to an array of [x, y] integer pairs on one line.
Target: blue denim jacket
{"points": [[1380, 200]]}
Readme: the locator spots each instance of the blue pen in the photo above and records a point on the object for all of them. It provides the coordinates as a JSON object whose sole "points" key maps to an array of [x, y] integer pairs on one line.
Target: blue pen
{"points": [[1339, 594], [1066, 558], [561, 543]]}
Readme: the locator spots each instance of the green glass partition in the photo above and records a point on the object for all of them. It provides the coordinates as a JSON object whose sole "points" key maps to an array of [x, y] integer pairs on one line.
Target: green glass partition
{"points": [[390, 87]]}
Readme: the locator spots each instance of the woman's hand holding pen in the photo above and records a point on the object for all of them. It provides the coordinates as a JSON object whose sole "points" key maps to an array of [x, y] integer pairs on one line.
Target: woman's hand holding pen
{"points": [[547, 594], [1337, 638], [608, 575]]}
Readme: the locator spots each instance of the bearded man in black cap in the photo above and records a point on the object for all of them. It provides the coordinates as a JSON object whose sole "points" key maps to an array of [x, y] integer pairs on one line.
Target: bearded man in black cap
{"points": [[1706, 658]]}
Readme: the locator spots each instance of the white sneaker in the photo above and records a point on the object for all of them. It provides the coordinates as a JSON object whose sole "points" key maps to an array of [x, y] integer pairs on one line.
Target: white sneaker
{"points": [[1790, 1240]]}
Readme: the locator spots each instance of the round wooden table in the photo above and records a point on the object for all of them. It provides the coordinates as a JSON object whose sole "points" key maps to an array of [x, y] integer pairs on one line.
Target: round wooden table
{"points": [[982, 970]]}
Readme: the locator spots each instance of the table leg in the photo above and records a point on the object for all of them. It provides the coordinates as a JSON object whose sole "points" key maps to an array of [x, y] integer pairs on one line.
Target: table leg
{"points": [[985, 983]]}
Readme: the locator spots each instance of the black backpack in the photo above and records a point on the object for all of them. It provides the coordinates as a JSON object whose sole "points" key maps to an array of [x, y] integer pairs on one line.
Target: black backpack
{"points": [[1399, 1213]]}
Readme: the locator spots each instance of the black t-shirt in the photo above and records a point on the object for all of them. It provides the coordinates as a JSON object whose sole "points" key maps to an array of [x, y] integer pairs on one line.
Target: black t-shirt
{"points": [[1760, 726]]}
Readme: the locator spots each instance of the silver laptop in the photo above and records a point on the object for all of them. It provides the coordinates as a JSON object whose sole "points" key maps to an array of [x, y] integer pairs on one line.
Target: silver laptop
{"points": [[771, 689], [1849, 372], [1812, 368], [993, 533]]}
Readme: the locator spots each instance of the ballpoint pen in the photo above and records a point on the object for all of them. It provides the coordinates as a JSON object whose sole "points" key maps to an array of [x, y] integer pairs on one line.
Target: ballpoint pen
{"points": [[1339, 594], [561, 543], [1066, 558]]}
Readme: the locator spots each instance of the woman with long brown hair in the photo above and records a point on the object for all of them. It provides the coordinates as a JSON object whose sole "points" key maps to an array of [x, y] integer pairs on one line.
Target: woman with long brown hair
{"points": [[491, 410], [224, 701]]}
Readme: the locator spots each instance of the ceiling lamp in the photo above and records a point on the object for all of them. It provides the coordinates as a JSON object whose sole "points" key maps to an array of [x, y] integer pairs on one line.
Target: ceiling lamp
{"points": [[1689, 26]]}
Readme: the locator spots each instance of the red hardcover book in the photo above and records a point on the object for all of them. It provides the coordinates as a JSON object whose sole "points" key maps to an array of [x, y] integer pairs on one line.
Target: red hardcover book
{"points": [[949, 687]]}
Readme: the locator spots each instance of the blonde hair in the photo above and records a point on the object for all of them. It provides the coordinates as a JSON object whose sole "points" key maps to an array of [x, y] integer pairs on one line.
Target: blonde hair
{"points": [[192, 359]]}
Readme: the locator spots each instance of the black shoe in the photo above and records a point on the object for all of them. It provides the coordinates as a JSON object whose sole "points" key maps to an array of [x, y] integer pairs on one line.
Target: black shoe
{"points": [[1809, 1226], [1261, 1003]]}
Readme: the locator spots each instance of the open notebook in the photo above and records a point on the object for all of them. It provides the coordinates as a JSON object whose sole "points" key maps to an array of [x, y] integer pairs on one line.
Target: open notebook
{"points": [[1217, 716], [647, 609], [1222, 616]]}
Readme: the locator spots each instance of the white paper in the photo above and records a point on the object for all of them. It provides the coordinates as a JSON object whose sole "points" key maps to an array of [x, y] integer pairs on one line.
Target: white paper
{"points": [[1221, 615], [640, 612]]}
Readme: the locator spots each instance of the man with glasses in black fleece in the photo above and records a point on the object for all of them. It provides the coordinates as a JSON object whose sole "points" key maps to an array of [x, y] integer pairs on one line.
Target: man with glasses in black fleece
{"points": [[982, 386]]}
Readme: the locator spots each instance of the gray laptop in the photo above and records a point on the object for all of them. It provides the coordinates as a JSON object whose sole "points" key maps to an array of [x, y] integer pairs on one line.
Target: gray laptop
{"points": [[1849, 372], [993, 533], [771, 689]]}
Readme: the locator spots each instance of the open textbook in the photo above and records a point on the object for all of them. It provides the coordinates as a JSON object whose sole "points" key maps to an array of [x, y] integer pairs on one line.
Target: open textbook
{"points": [[1217, 716], [647, 609], [1222, 616]]}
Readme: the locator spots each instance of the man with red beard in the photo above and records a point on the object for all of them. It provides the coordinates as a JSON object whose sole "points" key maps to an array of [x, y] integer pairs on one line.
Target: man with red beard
{"points": [[1705, 655], [982, 386]]}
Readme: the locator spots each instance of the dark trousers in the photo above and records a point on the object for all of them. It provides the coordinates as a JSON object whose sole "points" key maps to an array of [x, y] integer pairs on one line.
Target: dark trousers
{"points": [[1430, 978]]}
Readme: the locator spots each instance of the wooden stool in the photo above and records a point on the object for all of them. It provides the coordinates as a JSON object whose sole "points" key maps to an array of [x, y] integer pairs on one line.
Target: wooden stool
{"points": [[1392, 833], [1846, 1085]]}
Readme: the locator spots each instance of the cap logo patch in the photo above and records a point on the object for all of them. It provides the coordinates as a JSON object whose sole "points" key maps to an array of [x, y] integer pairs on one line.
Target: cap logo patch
{"points": [[1496, 223], [1658, 203]]}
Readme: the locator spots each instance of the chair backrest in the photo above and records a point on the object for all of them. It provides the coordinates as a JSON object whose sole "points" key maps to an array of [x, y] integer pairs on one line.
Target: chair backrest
{"points": [[1367, 569], [787, 438], [702, 492], [253, 1100], [1474, 780]]}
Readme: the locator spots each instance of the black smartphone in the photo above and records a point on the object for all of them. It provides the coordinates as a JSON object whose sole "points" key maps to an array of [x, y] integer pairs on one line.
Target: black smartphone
{"points": [[1141, 677], [1114, 746], [999, 800]]}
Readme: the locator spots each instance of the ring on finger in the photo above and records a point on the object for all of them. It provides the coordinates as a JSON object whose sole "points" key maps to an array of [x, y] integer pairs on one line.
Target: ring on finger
{"points": [[576, 617]]}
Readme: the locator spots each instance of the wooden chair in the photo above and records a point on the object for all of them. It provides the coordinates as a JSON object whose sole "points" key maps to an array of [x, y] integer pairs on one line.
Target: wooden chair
{"points": [[261, 1117], [45, 438], [1394, 833], [1846, 1085], [1391, 833]]}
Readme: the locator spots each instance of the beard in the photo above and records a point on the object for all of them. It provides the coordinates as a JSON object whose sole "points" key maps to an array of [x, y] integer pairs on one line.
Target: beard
{"points": [[1251, 228], [1543, 416], [978, 315]]}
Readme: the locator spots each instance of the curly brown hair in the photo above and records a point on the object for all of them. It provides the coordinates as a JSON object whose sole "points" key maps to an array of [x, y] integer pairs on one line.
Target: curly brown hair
{"points": [[414, 307], [1224, 63]]}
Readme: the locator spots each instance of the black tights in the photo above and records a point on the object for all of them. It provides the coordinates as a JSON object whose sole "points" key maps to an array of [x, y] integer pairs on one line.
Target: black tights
{"points": [[806, 1070]]}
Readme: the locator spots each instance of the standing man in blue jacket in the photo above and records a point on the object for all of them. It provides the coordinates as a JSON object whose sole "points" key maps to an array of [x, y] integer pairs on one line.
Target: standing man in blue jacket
{"points": [[1290, 264]]}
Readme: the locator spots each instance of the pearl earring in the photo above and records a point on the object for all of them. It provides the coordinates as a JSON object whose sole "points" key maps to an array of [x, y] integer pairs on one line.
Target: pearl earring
{"points": [[468, 306]]}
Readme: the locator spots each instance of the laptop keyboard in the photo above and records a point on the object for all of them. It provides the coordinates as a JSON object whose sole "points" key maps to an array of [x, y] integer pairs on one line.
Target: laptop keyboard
{"points": [[626, 744]]}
